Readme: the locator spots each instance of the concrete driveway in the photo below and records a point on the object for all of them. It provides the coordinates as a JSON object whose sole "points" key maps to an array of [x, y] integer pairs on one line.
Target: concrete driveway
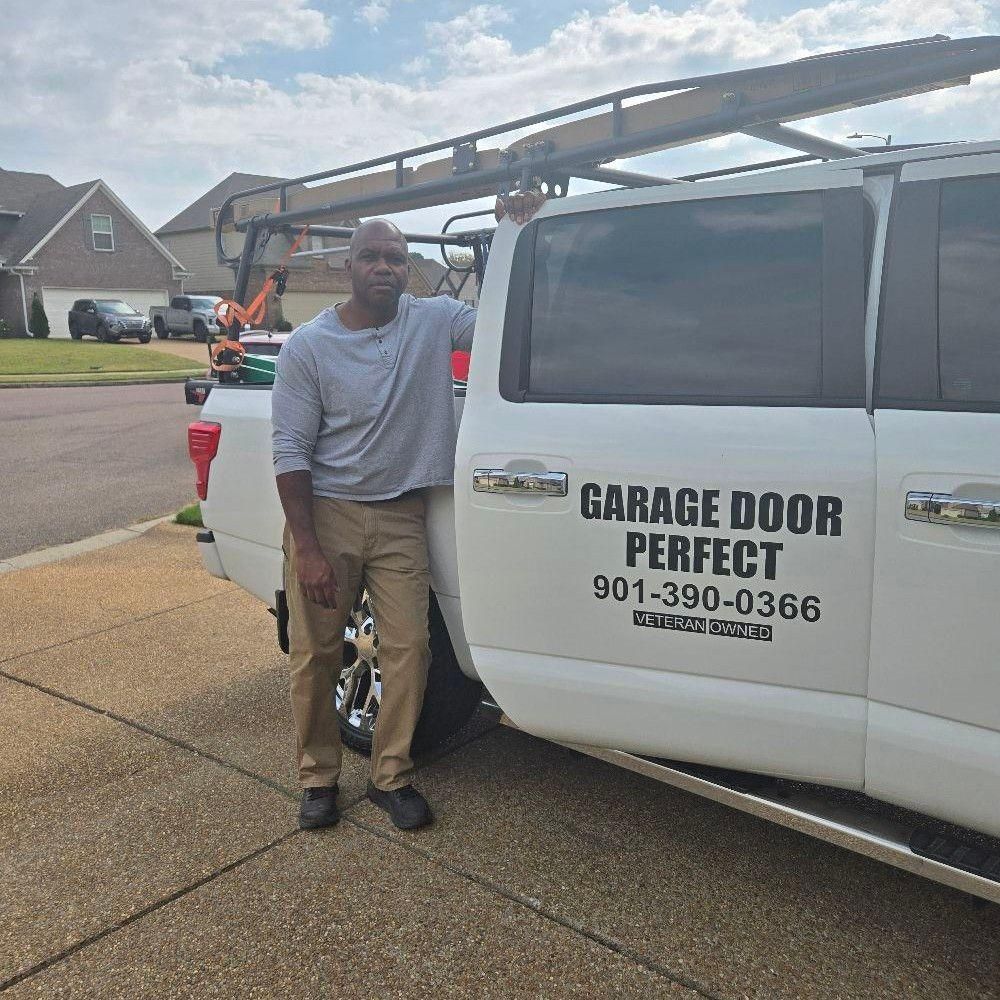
{"points": [[148, 841], [183, 348]]}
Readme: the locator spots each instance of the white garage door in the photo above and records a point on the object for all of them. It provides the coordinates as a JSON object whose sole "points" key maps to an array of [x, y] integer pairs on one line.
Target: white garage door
{"points": [[300, 307], [59, 301]]}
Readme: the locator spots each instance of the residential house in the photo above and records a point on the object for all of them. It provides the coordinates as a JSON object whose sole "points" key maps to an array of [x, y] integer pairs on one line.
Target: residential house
{"points": [[314, 282], [445, 280], [66, 243]]}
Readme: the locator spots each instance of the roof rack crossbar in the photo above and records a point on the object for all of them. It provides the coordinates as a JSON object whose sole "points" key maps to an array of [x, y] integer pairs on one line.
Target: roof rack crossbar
{"points": [[463, 238], [794, 138], [623, 178]]}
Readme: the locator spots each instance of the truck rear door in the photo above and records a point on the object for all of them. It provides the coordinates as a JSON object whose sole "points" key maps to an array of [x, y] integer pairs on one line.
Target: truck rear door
{"points": [[934, 723], [665, 474]]}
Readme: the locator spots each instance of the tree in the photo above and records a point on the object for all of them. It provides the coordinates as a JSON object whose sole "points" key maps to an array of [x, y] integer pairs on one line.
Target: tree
{"points": [[460, 257], [39, 321]]}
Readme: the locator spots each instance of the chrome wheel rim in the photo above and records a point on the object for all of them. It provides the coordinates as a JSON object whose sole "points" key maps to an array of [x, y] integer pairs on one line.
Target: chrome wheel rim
{"points": [[359, 687]]}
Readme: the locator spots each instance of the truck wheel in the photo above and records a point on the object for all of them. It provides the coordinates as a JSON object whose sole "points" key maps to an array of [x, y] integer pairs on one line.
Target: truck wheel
{"points": [[74, 332], [161, 330], [101, 333], [144, 338], [449, 701], [200, 332]]}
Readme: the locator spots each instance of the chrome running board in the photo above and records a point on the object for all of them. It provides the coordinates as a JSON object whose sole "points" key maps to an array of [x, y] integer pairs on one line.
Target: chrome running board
{"points": [[855, 829]]}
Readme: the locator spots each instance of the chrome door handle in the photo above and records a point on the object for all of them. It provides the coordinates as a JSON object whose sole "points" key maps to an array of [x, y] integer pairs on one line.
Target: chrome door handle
{"points": [[943, 508], [552, 484]]}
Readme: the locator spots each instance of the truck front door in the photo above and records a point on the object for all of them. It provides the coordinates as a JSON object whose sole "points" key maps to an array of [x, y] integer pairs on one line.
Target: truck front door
{"points": [[665, 475], [87, 318], [179, 314]]}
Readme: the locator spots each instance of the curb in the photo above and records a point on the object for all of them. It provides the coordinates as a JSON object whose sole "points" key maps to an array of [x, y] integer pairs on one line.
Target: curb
{"points": [[56, 553], [177, 379]]}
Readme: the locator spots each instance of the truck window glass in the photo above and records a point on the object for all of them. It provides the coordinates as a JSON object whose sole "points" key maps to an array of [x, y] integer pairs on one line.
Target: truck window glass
{"points": [[969, 290], [720, 299]]}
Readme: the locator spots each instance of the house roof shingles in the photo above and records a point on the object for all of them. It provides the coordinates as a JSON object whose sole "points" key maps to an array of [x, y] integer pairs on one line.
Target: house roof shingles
{"points": [[44, 210], [18, 190], [198, 215]]}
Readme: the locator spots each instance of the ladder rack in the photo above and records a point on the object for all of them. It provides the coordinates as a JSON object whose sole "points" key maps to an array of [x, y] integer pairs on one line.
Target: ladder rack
{"points": [[757, 102]]}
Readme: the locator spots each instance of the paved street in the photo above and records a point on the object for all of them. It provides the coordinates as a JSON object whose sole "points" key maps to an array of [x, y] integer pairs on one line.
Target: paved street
{"points": [[149, 848], [79, 461]]}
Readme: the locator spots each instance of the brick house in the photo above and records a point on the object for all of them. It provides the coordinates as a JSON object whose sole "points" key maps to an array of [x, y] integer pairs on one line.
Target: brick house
{"points": [[313, 283], [444, 281], [66, 243]]}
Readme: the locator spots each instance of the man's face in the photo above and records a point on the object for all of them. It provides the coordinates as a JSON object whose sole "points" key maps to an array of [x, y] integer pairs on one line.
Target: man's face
{"points": [[379, 271]]}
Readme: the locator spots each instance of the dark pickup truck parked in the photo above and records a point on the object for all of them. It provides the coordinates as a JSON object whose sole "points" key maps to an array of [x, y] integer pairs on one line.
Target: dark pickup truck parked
{"points": [[107, 320]]}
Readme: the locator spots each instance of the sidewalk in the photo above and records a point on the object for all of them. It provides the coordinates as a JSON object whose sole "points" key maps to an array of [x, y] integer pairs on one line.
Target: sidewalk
{"points": [[149, 844]]}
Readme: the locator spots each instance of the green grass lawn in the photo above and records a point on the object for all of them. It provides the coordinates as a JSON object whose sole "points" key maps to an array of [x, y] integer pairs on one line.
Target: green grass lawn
{"points": [[65, 357]]}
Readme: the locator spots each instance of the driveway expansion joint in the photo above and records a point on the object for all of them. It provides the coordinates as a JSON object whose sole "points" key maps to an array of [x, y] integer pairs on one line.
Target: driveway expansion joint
{"points": [[159, 904], [173, 741], [536, 906], [109, 629]]}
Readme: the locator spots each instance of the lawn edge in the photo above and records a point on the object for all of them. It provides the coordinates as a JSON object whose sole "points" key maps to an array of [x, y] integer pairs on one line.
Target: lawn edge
{"points": [[132, 378]]}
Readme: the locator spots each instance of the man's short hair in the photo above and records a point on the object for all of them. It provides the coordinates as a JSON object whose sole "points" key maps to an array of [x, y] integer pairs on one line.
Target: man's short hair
{"points": [[370, 224]]}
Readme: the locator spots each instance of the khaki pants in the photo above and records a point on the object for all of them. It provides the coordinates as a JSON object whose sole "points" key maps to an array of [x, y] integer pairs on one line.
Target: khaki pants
{"points": [[383, 545]]}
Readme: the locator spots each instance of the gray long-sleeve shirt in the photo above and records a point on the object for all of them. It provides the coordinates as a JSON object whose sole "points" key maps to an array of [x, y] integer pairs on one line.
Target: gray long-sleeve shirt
{"points": [[371, 413]]}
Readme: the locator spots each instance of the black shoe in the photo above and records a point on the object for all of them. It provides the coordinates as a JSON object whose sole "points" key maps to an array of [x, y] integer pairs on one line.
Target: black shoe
{"points": [[407, 808], [318, 808]]}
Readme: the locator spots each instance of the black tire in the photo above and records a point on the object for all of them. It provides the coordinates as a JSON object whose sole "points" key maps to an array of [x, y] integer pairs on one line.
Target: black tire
{"points": [[200, 332], [449, 700], [161, 329], [144, 338], [101, 333], [74, 332]]}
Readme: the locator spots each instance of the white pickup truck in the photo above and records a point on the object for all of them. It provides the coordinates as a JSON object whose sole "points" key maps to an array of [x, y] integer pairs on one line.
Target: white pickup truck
{"points": [[727, 492], [194, 314]]}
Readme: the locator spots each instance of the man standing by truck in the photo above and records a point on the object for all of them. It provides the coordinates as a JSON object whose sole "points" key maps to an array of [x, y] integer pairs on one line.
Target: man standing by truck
{"points": [[364, 423]]}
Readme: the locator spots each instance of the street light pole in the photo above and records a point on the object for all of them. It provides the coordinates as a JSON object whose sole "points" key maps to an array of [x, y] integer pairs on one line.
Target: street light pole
{"points": [[887, 139]]}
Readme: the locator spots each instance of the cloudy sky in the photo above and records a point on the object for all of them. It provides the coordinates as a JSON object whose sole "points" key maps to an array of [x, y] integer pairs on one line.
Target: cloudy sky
{"points": [[162, 100]]}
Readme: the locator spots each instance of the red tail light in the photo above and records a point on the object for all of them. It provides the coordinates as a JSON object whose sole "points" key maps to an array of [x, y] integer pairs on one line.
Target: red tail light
{"points": [[460, 365], [203, 446]]}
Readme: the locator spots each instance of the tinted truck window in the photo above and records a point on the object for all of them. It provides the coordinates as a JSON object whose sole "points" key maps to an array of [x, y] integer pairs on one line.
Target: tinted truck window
{"points": [[718, 299], [969, 290]]}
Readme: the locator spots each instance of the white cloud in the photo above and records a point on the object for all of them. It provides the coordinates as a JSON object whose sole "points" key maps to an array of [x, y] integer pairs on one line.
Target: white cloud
{"points": [[373, 13], [162, 91], [416, 65]]}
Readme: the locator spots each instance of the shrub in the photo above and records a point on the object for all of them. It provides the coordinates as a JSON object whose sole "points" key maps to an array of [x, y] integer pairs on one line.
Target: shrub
{"points": [[9, 332], [283, 326], [39, 321]]}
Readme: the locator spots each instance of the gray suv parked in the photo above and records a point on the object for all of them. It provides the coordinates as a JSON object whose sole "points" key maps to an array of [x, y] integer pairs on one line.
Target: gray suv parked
{"points": [[107, 320]]}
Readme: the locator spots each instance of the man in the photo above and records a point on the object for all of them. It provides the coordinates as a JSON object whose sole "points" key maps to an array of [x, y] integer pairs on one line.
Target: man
{"points": [[364, 423]]}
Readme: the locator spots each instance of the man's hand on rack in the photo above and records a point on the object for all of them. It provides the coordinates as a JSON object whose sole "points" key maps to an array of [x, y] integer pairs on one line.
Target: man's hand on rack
{"points": [[520, 206]]}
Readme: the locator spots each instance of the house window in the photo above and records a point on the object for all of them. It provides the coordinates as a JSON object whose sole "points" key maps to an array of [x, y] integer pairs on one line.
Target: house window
{"points": [[104, 237]]}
